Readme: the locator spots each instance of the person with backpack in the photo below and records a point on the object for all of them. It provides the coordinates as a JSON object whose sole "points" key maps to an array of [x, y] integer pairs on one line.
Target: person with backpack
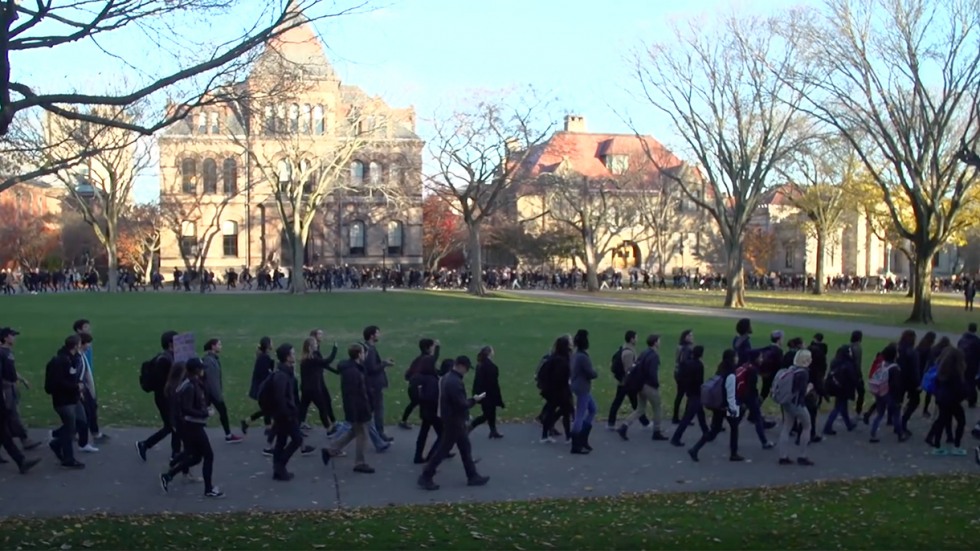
{"points": [[153, 378], [910, 362], [841, 385], [789, 391], [215, 387], [690, 379], [555, 376], [684, 346], [425, 382], [770, 361], [583, 373], [487, 381], [817, 374], [261, 371], [886, 385], [280, 396], [61, 383], [428, 356], [646, 377], [89, 400], [190, 404], [950, 389], [622, 363], [357, 409], [793, 346], [728, 409], [857, 356], [969, 343], [930, 372]]}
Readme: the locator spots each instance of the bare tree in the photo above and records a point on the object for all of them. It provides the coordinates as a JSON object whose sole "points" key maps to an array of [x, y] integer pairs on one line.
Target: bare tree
{"points": [[477, 151], [101, 189], [110, 26], [661, 211], [900, 80], [737, 119], [180, 212], [140, 232], [442, 232]]}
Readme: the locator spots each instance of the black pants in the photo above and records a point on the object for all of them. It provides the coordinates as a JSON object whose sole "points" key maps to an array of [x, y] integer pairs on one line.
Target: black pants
{"points": [[913, 397], [222, 410], [557, 407], [767, 380], [91, 412], [692, 410], [413, 401], [321, 399], [454, 434], [489, 417], [163, 408], [286, 430], [677, 405], [617, 403], [716, 421], [944, 423], [972, 385], [7, 439], [433, 422], [197, 448]]}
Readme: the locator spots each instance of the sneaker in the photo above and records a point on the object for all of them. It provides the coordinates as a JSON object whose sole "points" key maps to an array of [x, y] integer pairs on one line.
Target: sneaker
{"points": [[805, 461], [693, 454], [141, 450], [874, 440], [768, 445], [191, 478], [233, 439], [101, 437], [548, 440], [736, 458], [29, 445], [830, 432], [89, 448], [958, 452], [939, 452], [622, 432], [478, 481], [659, 437], [305, 427], [676, 443], [816, 439], [405, 425], [244, 426], [307, 450], [28, 464], [214, 493], [283, 477], [388, 439], [73, 465], [785, 461], [325, 456], [267, 452], [427, 484], [611, 428], [363, 468], [165, 481]]}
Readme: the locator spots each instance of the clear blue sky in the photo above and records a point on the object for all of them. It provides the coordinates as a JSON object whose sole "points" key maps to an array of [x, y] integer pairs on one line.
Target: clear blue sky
{"points": [[428, 53]]}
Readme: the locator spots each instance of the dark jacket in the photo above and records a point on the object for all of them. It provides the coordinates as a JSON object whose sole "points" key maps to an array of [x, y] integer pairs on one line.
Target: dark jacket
{"points": [[487, 379], [353, 388], [161, 367], [742, 345], [818, 367], [950, 391], [264, 366], [896, 380], [969, 343], [286, 392], [683, 354], [789, 357], [454, 406], [801, 378], [192, 400], [311, 373], [690, 377], [424, 384], [8, 371], [422, 361], [374, 368], [61, 379], [583, 373], [212, 377], [558, 372], [845, 373], [908, 362], [649, 362]]}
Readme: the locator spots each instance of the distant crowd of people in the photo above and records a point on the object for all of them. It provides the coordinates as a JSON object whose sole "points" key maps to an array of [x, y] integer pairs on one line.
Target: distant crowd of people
{"points": [[798, 378]]}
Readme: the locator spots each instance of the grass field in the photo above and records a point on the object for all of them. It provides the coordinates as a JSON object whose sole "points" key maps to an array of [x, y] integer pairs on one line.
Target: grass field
{"points": [[127, 328], [930, 513], [878, 309]]}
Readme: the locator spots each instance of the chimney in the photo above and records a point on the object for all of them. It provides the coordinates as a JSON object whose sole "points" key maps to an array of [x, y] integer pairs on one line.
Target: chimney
{"points": [[574, 123]]}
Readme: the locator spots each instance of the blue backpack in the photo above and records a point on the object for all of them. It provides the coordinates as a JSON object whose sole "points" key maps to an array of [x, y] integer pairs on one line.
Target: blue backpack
{"points": [[929, 379]]}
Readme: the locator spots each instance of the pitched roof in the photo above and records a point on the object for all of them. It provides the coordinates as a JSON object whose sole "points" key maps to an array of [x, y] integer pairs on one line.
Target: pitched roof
{"points": [[780, 196], [297, 49]]}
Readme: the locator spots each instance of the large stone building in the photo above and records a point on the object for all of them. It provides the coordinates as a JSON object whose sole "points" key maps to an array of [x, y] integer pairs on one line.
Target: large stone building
{"points": [[292, 116]]}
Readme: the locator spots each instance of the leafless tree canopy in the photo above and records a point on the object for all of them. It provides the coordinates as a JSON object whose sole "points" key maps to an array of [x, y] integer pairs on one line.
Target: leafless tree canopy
{"points": [[51, 26]]}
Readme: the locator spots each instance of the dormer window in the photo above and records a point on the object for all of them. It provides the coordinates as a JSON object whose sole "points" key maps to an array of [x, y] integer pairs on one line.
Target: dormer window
{"points": [[617, 164]]}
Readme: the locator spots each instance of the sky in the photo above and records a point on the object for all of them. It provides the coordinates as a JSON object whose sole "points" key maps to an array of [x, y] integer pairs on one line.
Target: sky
{"points": [[431, 53]]}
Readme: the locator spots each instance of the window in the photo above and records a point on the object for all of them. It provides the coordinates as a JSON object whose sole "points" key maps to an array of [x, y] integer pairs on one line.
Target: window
{"points": [[188, 238], [202, 123], [284, 171], [617, 164], [269, 120], [294, 118], [789, 257], [188, 176], [394, 174], [355, 238], [305, 116], [318, 127], [215, 128], [374, 173], [210, 176], [308, 175], [356, 173], [229, 237], [229, 176], [395, 237], [280, 118]]}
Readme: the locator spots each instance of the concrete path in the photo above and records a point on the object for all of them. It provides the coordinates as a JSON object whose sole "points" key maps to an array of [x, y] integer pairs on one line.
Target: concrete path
{"points": [[829, 325], [116, 482]]}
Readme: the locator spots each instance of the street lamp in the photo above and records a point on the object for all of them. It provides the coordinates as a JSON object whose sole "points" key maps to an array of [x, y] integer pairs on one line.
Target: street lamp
{"points": [[384, 264]]}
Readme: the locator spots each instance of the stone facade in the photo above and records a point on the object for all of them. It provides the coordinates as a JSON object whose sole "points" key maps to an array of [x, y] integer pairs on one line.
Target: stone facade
{"points": [[220, 164]]}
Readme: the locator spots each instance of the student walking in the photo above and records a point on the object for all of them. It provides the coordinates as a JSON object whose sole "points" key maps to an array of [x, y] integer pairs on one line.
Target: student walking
{"points": [[215, 387], [790, 390], [583, 373], [86, 384], [261, 371], [950, 393], [454, 409], [649, 365], [684, 347], [313, 388], [487, 381], [554, 383], [89, 399], [425, 385], [728, 412], [428, 356], [376, 377], [9, 377], [191, 418], [61, 383], [889, 396], [158, 369], [284, 401], [623, 362], [842, 385], [8, 403], [969, 343], [909, 362], [357, 409], [690, 377]]}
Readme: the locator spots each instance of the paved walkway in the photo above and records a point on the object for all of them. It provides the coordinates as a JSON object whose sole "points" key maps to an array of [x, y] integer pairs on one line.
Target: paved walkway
{"points": [[116, 482], [829, 325]]}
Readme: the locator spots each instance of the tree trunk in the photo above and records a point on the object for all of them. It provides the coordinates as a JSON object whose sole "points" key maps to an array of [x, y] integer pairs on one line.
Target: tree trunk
{"points": [[591, 263], [920, 285], [821, 257], [297, 279], [112, 258], [474, 256], [735, 294]]}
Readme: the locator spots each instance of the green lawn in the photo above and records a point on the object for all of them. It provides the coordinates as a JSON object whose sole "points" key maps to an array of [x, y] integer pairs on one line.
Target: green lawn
{"points": [[872, 308], [929, 513], [127, 329]]}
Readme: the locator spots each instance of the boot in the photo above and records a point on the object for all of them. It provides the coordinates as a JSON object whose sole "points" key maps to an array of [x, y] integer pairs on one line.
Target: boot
{"points": [[586, 431], [577, 444]]}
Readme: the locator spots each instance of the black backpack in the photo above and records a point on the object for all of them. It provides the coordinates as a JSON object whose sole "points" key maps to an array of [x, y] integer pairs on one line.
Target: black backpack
{"points": [[150, 376], [541, 374], [266, 396], [636, 377], [616, 364]]}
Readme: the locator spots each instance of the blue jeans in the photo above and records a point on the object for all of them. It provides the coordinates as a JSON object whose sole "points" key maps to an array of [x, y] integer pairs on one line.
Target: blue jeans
{"points": [[840, 408], [754, 406], [886, 405], [585, 409]]}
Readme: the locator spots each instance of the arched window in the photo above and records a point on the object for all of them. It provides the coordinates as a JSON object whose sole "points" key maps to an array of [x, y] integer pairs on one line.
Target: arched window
{"points": [[304, 121], [309, 176], [209, 168], [215, 127], [188, 238], [374, 173], [281, 118], [188, 176], [394, 174], [202, 123], [318, 126], [395, 237], [229, 176], [294, 118], [355, 238], [269, 120], [229, 238], [356, 173], [284, 171]]}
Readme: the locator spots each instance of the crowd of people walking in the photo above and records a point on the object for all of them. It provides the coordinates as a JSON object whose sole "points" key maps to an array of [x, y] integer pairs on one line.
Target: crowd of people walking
{"points": [[797, 377]]}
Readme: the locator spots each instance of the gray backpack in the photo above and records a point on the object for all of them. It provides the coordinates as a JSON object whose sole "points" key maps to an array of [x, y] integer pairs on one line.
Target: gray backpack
{"points": [[782, 386]]}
